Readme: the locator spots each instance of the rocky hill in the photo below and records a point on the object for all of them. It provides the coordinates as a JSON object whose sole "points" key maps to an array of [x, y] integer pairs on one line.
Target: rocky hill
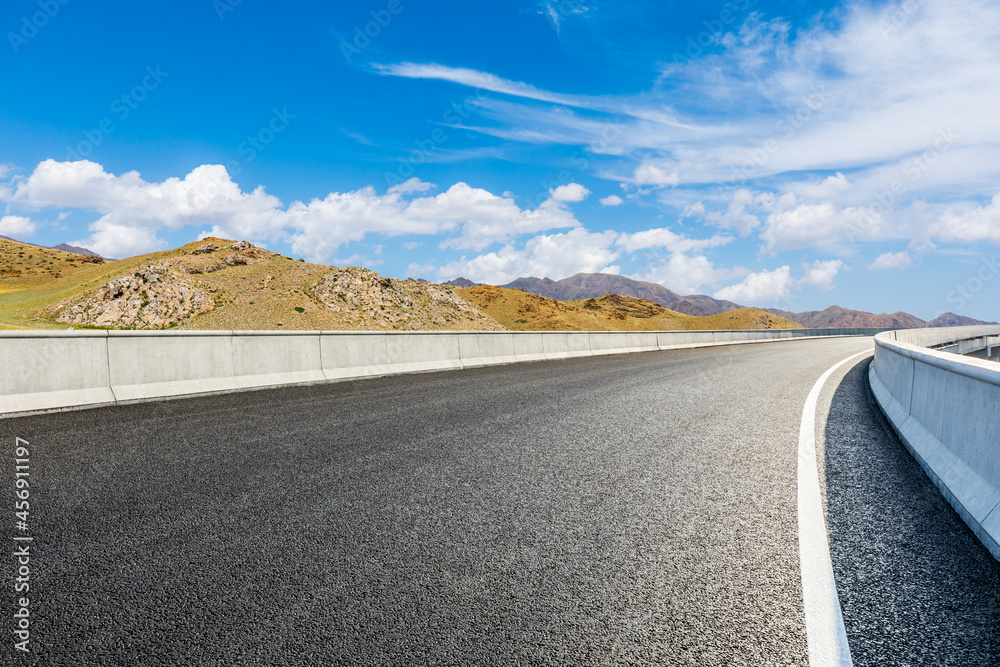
{"points": [[155, 296], [460, 282], [592, 285], [220, 284], [519, 310], [365, 299], [953, 320], [836, 317]]}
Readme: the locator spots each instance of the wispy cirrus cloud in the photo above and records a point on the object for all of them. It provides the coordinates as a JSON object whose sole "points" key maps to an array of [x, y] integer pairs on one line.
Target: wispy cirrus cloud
{"points": [[854, 93], [482, 80]]}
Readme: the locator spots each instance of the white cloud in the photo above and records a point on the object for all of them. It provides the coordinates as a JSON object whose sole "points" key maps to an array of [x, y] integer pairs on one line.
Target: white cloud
{"points": [[554, 255], [612, 200], [555, 12], [476, 79], [736, 217], [763, 286], [654, 174], [664, 238], [831, 188], [412, 185], [686, 274], [17, 226], [480, 218], [793, 226], [572, 192], [970, 225], [807, 216], [134, 211], [891, 260], [821, 274], [486, 218], [849, 90]]}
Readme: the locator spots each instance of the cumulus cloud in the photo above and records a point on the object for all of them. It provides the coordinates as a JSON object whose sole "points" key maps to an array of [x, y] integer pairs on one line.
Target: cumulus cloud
{"points": [[612, 200], [17, 226], [665, 238], [792, 225], [546, 255], [807, 215], [863, 87], [981, 223], [736, 217], [831, 188], [134, 216], [762, 286], [687, 274], [821, 274], [133, 211], [412, 185], [486, 218], [572, 192], [891, 260], [649, 173]]}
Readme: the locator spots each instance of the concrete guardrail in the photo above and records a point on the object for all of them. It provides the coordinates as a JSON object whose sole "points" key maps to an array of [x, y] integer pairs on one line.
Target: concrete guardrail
{"points": [[57, 370], [945, 409]]}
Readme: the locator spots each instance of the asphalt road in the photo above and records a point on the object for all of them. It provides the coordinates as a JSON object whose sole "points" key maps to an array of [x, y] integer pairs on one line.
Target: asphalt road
{"points": [[635, 509]]}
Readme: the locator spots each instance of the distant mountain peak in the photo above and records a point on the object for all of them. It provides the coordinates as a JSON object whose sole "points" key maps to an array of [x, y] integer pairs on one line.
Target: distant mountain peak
{"points": [[65, 247], [838, 317], [461, 282], [953, 320], [593, 285]]}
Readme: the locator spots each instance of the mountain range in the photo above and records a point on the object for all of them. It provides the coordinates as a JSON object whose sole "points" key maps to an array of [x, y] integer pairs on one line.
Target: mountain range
{"points": [[594, 285], [217, 284], [65, 247]]}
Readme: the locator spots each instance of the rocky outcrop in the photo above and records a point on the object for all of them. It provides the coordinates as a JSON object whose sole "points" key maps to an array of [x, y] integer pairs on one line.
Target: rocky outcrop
{"points": [[153, 297], [245, 254], [367, 300]]}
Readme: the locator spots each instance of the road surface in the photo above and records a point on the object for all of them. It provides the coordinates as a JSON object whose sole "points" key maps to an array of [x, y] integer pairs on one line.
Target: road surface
{"points": [[634, 509]]}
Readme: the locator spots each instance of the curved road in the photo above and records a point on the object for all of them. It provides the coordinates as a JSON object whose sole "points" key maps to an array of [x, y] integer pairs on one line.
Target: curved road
{"points": [[635, 509]]}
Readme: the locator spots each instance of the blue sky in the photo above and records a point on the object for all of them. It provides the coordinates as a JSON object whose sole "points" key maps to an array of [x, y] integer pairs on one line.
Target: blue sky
{"points": [[794, 154]]}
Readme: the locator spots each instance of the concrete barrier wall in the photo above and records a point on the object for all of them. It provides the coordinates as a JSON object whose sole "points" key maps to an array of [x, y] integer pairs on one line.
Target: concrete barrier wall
{"points": [[944, 408], [49, 370], [611, 342], [144, 365], [529, 346], [41, 370], [418, 352], [348, 355], [940, 336], [485, 349], [267, 358]]}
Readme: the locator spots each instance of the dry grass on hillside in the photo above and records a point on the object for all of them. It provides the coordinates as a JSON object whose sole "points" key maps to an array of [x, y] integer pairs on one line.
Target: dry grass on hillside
{"points": [[216, 284], [32, 277], [248, 289], [521, 311]]}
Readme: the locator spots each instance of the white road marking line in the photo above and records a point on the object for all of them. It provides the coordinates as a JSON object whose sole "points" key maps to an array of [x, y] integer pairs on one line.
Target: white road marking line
{"points": [[825, 634]]}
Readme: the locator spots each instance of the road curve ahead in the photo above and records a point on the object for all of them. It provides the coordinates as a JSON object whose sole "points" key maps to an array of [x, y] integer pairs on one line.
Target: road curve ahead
{"points": [[634, 509]]}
